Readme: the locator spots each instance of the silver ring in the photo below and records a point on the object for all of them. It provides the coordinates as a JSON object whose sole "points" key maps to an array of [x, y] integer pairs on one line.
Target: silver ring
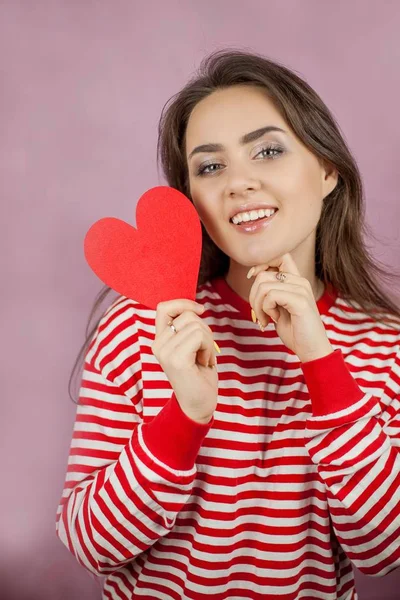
{"points": [[280, 276], [172, 326]]}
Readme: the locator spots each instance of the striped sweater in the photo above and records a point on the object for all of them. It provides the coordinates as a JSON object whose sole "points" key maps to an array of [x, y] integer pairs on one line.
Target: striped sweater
{"points": [[295, 479]]}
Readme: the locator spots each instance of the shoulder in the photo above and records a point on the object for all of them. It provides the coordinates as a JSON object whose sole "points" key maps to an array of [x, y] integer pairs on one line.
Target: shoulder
{"points": [[371, 342], [352, 315], [115, 341], [126, 317]]}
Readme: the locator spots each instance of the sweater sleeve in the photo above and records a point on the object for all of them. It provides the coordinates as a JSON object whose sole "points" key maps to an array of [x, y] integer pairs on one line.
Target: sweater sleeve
{"points": [[126, 479], [354, 439]]}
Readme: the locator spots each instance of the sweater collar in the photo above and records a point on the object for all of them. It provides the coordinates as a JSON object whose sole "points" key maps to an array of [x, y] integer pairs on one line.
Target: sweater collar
{"points": [[229, 296]]}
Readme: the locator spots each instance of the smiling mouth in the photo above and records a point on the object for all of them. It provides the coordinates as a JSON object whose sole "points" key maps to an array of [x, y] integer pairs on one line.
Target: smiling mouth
{"points": [[253, 221]]}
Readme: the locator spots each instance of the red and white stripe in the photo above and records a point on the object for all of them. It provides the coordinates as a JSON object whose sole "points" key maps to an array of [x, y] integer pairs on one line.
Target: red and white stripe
{"points": [[297, 474]]}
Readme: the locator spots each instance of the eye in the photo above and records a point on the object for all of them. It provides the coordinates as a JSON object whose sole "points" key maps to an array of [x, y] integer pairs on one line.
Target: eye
{"points": [[276, 149], [273, 148]]}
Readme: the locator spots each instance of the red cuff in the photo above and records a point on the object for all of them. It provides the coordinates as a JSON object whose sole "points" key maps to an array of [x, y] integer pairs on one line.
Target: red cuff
{"points": [[330, 383], [173, 437]]}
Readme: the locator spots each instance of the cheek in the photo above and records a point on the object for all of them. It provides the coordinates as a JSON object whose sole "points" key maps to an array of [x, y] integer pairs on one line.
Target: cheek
{"points": [[301, 189], [205, 205], [300, 196], [203, 210]]}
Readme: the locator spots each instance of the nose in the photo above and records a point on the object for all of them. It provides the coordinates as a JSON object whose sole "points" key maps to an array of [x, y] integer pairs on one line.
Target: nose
{"points": [[239, 189], [240, 182]]}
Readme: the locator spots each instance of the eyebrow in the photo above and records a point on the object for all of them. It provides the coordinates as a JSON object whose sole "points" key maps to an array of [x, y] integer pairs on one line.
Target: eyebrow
{"points": [[245, 139]]}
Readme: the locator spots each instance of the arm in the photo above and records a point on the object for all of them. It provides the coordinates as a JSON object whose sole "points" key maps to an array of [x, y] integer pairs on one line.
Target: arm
{"points": [[354, 439], [126, 480]]}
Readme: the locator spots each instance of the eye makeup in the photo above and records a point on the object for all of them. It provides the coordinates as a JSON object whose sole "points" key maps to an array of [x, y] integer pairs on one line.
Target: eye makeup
{"points": [[274, 147]]}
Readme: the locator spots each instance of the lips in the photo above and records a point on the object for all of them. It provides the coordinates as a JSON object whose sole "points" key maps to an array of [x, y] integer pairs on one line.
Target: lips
{"points": [[249, 208], [250, 227], [252, 220]]}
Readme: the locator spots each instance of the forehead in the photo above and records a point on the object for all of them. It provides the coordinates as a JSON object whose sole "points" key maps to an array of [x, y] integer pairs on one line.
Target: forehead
{"points": [[231, 112]]}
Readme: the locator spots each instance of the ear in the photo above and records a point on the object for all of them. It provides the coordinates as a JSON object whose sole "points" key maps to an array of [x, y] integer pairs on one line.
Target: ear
{"points": [[330, 177]]}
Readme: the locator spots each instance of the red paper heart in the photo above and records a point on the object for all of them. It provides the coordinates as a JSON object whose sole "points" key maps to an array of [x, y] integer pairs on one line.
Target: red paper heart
{"points": [[157, 261]]}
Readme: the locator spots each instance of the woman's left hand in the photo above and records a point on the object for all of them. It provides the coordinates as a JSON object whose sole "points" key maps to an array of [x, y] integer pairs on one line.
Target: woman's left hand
{"points": [[293, 305]]}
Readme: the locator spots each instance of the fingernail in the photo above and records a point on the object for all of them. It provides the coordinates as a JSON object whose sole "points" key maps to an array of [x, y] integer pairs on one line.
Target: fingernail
{"points": [[253, 316], [217, 347], [250, 273], [260, 326]]}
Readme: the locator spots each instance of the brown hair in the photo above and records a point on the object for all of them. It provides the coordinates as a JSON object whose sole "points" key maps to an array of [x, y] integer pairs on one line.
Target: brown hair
{"points": [[341, 256]]}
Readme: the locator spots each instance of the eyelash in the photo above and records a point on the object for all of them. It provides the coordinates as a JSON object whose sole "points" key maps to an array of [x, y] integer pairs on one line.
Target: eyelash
{"points": [[201, 171]]}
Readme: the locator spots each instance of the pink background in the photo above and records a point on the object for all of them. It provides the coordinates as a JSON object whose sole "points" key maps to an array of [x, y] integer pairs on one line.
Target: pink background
{"points": [[83, 85]]}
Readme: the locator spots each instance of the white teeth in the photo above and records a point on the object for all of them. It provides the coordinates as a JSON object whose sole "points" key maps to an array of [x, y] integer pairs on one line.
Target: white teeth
{"points": [[253, 215]]}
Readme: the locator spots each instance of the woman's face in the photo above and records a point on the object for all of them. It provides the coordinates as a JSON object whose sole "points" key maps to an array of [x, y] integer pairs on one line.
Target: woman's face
{"points": [[274, 169]]}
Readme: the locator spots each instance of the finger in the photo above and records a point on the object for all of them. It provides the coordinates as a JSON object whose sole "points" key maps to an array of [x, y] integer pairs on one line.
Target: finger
{"points": [[291, 282], [262, 308], [293, 301], [254, 271], [266, 316], [166, 311], [213, 361], [190, 345], [268, 272], [180, 321], [207, 359], [271, 276], [261, 302], [188, 317], [285, 263]]}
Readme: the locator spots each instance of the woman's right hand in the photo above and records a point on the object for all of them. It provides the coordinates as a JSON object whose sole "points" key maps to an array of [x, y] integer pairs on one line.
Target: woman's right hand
{"points": [[185, 357]]}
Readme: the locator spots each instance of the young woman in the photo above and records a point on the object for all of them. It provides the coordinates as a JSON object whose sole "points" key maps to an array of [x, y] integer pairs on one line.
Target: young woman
{"points": [[273, 473]]}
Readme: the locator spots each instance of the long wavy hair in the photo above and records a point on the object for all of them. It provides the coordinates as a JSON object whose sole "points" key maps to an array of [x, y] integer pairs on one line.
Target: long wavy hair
{"points": [[341, 254]]}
